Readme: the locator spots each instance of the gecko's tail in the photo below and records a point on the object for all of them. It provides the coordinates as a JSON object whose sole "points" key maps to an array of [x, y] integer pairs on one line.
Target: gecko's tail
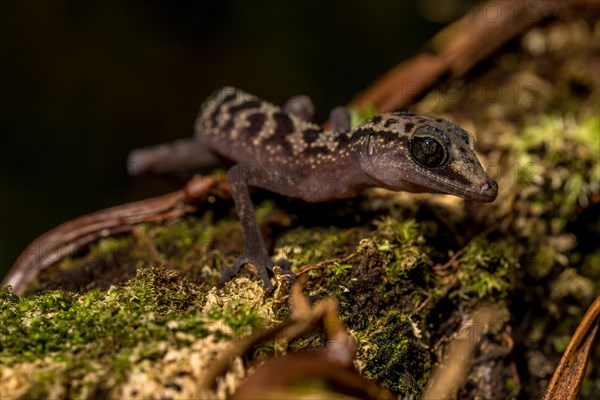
{"points": [[180, 157]]}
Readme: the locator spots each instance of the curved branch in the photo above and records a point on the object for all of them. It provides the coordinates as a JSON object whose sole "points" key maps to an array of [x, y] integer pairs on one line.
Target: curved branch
{"points": [[75, 234]]}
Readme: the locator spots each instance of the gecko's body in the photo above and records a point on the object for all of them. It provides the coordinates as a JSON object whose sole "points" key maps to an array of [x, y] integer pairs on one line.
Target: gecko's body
{"points": [[280, 152]]}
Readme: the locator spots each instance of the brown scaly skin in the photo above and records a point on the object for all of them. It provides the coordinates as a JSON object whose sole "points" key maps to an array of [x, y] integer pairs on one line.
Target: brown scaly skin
{"points": [[284, 153]]}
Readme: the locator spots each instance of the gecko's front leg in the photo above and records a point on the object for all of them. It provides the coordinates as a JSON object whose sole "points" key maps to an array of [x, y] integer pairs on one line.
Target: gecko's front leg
{"points": [[255, 252]]}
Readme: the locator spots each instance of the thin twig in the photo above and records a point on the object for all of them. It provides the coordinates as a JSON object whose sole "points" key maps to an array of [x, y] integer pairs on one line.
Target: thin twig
{"points": [[448, 377], [321, 264], [455, 50], [568, 375], [441, 268], [73, 235], [424, 302]]}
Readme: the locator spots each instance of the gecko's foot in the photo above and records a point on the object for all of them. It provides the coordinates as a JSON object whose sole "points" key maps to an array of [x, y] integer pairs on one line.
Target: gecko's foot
{"points": [[264, 265], [301, 106], [341, 120]]}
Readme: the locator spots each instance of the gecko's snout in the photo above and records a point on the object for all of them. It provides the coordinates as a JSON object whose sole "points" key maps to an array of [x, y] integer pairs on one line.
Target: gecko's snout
{"points": [[489, 190]]}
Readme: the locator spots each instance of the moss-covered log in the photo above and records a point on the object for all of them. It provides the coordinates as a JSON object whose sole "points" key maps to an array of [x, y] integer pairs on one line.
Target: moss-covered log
{"points": [[117, 320]]}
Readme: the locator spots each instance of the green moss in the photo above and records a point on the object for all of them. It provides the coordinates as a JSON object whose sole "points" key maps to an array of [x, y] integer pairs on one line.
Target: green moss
{"points": [[180, 239], [263, 209], [358, 116], [109, 331], [401, 246], [369, 288], [54, 321], [391, 355], [239, 316], [486, 270], [543, 142], [562, 155], [306, 246], [557, 172], [91, 268]]}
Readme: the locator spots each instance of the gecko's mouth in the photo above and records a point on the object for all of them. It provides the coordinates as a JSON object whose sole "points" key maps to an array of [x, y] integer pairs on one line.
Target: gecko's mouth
{"points": [[476, 186], [486, 193]]}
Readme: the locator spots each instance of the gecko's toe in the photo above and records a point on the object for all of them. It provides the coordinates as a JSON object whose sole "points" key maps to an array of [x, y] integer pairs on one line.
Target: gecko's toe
{"points": [[264, 265], [229, 273], [285, 265]]}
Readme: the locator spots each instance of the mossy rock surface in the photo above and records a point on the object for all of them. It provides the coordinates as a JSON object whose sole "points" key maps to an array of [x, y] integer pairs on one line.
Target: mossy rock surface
{"points": [[138, 315]]}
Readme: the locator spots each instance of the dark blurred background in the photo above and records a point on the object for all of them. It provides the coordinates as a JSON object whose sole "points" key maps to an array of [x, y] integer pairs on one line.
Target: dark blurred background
{"points": [[84, 82]]}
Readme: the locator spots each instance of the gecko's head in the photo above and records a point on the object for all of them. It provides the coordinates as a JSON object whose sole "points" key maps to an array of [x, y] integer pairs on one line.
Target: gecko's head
{"points": [[410, 152]]}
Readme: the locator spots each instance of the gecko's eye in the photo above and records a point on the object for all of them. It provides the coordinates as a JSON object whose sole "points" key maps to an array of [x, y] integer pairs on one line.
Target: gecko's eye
{"points": [[428, 151]]}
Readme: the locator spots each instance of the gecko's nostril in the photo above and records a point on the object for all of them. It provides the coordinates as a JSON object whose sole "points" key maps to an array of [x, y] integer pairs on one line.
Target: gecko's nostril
{"points": [[489, 189]]}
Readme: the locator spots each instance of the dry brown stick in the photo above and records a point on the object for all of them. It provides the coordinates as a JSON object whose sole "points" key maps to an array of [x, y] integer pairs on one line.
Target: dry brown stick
{"points": [[455, 50], [332, 363], [73, 235], [568, 375], [276, 377], [304, 318], [428, 298], [440, 269], [320, 264], [449, 374]]}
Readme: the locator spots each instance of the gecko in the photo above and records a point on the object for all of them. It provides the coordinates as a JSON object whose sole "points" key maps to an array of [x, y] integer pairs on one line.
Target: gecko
{"points": [[282, 151]]}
